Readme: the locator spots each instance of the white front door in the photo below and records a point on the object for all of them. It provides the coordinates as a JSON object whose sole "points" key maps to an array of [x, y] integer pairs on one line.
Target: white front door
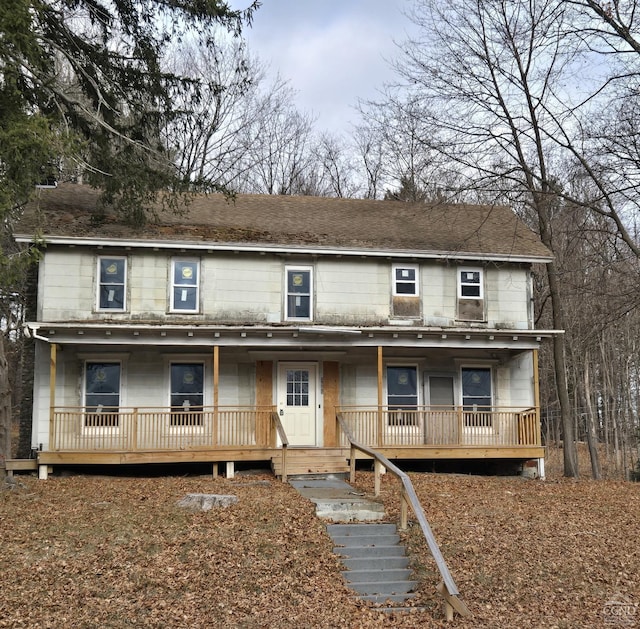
{"points": [[297, 403]]}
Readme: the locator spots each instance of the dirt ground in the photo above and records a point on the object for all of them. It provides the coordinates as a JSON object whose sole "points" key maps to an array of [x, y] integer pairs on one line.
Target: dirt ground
{"points": [[95, 550]]}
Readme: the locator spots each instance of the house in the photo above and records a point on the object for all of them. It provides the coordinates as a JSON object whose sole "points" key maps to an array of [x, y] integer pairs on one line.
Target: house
{"points": [[235, 327]]}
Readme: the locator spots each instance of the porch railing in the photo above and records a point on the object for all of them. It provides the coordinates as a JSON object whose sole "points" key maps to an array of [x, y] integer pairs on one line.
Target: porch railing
{"points": [[131, 429], [384, 426]]}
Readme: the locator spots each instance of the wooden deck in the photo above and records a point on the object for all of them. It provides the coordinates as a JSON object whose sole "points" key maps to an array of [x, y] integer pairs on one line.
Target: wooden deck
{"points": [[81, 436]]}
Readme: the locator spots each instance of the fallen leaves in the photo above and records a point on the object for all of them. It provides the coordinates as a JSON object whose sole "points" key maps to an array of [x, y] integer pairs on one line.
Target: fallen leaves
{"points": [[87, 551]]}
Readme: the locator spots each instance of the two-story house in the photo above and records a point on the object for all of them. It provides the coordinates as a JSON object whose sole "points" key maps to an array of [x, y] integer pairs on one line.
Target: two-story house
{"points": [[221, 332]]}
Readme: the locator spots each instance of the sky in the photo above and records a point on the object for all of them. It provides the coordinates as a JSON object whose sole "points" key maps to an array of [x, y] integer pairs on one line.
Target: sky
{"points": [[332, 52]]}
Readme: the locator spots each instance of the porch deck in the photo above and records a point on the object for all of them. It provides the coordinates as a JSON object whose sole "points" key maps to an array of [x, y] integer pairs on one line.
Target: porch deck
{"points": [[161, 435]]}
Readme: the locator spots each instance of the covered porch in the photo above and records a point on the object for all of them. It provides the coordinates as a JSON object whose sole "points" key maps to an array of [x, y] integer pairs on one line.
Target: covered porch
{"points": [[344, 368]]}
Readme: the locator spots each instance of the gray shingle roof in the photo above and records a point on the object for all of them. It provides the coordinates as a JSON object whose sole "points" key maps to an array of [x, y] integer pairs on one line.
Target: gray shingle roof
{"points": [[353, 224]]}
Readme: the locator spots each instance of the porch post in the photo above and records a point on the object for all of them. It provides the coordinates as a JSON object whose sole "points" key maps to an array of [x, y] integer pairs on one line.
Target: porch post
{"points": [[536, 396], [380, 417], [216, 382], [53, 367]]}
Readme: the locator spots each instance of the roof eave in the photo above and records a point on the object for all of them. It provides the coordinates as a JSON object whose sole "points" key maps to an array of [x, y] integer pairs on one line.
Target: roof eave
{"points": [[281, 249]]}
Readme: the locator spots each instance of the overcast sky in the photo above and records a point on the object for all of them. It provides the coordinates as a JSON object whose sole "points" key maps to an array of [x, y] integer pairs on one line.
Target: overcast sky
{"points": [[331, 51]]}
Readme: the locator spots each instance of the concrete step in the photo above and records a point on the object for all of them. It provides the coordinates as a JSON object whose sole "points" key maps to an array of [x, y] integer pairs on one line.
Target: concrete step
{"points": [[359, 552], [391, 598], [377, 574], [358, 530], [366, 540], [377, 568], [380, 562], [336, 500], [383, 587]]}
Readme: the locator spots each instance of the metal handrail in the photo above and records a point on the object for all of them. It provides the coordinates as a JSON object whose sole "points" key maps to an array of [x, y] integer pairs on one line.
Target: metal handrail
{"points": [[275, 418], [448, 588]]}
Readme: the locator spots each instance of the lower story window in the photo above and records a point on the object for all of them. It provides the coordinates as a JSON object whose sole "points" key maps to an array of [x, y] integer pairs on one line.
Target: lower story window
{"points": [[102, 394], [477, 397], [187, 394], [402, 395]]}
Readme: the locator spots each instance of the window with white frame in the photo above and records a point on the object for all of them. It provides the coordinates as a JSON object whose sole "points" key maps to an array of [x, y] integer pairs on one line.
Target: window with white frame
{"points": [[402, 395], [477, 396], [102, 394], [185, 286], [112, 274], [470, 283], [405, 280], [187, 393], [298, 300]]}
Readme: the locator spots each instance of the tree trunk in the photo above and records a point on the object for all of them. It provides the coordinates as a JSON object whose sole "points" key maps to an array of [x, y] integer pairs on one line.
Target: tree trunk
{"points": [[569, 450], [592, 438], [5, 409]]}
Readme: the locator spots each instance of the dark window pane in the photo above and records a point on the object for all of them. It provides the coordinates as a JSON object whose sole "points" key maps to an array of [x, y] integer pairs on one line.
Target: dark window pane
{"points": [[406, 275], [299, 307], [299, 282], [112, 296], [185, 273], [103, 378], [187, 377], [111, 271], [476, 382], [402, 387], [470, 291], [185, 298], [102, 394], [406, 289]]}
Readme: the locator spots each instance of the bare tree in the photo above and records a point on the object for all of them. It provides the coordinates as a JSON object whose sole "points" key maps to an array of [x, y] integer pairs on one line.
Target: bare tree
{"points": [[337, 168], [487, 72], [395, 152], [277, 148]]}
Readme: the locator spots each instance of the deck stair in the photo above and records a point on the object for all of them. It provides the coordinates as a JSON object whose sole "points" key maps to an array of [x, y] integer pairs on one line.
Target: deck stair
{"points": [[302, 461], [377, 568]]}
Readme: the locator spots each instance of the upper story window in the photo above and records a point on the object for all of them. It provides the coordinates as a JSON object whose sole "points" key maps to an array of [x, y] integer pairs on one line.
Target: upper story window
{"points": [[470, 284], [112, 274], [185, 285], [298, 301], [405, 280]]}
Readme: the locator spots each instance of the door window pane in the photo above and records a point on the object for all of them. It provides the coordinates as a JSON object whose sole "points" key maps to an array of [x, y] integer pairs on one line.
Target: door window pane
{"points": [[297, 387], [441, 391]]}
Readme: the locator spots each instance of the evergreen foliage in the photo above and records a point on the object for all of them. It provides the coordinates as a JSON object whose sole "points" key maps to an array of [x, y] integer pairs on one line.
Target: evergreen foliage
{"points": [[83, 91]]}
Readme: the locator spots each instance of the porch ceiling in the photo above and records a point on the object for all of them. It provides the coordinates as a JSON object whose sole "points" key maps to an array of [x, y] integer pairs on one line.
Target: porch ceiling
{"points": [[286, 337]]}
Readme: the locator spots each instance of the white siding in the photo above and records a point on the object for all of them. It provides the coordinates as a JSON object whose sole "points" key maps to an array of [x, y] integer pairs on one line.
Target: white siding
{"points": [[351, 292], [249, 289], [507, 298]]}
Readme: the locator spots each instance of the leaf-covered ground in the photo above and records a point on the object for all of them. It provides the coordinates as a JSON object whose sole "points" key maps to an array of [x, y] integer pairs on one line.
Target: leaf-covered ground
{"points": [[115, 551]]}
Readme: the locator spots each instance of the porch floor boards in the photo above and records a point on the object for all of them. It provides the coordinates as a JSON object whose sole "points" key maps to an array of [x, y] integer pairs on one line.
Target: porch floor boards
{"points": [[94, 457]]}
